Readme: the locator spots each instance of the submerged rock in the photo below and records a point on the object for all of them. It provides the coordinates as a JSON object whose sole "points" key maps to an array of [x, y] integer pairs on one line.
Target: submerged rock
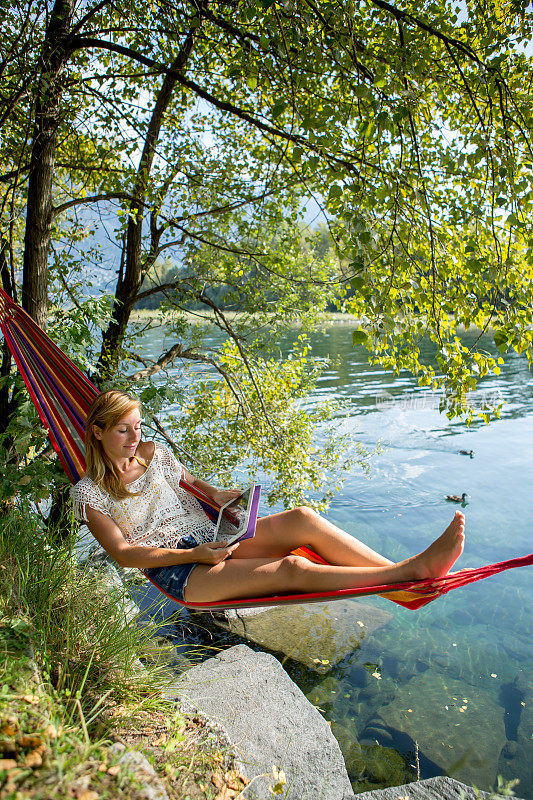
{"points": [[318, 635], [324, 692], [359, 676], [516, 646], [516, 756], [459, 732], [510, 750], [383, 765], [377, 733], [269, 723]]}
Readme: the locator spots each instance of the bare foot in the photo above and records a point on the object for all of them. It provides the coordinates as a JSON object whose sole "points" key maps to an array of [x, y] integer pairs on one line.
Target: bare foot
{"points": [[440, 556]]}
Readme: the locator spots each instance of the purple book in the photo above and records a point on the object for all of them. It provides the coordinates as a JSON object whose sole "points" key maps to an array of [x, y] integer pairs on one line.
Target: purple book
{"points": [[237, 518]]}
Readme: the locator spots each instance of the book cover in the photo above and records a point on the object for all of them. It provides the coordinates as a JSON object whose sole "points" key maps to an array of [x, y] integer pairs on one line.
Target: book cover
{"points": [[237, 518]]}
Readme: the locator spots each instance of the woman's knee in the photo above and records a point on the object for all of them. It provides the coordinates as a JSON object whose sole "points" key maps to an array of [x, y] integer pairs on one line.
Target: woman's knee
{"points": [[296, 571], [303, 514]]}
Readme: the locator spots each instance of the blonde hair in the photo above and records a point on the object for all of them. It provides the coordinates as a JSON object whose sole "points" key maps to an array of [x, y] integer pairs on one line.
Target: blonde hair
{"points": [[106, 411]]}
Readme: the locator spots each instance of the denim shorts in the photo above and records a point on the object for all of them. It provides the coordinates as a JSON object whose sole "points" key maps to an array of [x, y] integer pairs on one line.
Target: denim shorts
{"points": [[173, 580]]}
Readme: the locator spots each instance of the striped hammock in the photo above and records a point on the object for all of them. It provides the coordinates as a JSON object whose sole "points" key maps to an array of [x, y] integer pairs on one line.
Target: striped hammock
{"points": [[62, 395]]}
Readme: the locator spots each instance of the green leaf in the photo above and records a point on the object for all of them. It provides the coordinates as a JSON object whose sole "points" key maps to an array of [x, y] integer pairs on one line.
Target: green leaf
{"points": [[500, 338], [335, 191], [359, 337], [278, 108]]}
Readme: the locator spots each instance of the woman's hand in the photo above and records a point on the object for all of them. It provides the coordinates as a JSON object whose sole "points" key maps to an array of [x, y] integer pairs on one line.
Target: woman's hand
{"points": [[222, 496], [212, 552]]}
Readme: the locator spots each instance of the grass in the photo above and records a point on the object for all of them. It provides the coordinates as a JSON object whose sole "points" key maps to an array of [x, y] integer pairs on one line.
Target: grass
{"points": [[77, 675]]}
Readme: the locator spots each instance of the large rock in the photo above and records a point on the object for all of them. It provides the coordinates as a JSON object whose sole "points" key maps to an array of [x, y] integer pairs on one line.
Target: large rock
{"points": [[314, 634], [460, 732], [269, 723], [432, 789]]}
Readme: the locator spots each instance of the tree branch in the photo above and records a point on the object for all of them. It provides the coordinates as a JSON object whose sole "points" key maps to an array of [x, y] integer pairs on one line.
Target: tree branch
{"points": [[79, 42], [165, 360], [231, 29], [364, 71], [163, 287], [176, 447], [98, 7], [93, 199], [197, 237], [237, 339], [177, 351], [14, 173], [404, 16], [233, 206]]}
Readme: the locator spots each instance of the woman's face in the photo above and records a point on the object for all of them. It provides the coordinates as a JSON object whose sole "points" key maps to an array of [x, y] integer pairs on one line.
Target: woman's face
{"points": [[121, 440]]}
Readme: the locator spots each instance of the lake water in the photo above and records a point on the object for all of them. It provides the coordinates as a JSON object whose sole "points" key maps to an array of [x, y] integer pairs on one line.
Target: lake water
{"points": [[449, 688]]}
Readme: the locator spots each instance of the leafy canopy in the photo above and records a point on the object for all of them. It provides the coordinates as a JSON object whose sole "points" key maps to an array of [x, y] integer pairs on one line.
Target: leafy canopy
{"points": [[203, 136]]}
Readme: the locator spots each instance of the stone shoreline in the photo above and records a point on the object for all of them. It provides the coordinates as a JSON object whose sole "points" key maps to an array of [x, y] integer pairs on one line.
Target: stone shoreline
{"points": [[270, 726]]}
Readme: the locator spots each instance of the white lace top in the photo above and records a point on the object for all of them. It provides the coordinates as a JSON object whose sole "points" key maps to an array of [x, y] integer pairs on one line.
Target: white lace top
{"points": [[161, 515]]}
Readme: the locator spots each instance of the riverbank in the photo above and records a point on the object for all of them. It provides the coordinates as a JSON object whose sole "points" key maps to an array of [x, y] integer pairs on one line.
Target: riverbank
{"points": [[208, 317], [81, 686]]}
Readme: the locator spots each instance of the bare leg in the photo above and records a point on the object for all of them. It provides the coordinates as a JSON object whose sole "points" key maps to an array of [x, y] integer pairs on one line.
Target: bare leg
{"points": [[254, 577], [278, 534]]}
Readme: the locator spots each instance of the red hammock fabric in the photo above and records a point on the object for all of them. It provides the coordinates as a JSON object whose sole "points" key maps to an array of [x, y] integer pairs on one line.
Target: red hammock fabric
{"points": [[61, 392], [62, 395], [411, 594]]}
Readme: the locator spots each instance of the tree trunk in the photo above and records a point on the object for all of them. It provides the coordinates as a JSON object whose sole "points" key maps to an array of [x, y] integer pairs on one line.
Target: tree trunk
{"points": [[58, 523], [130, 280], [42, 162]]}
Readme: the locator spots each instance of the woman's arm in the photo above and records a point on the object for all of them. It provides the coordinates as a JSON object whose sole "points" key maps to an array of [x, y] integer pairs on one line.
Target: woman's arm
{"points": [[109, 535]]}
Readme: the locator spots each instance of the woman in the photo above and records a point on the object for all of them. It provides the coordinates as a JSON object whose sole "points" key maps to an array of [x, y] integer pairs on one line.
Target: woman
{"points": [[132, 502]]}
